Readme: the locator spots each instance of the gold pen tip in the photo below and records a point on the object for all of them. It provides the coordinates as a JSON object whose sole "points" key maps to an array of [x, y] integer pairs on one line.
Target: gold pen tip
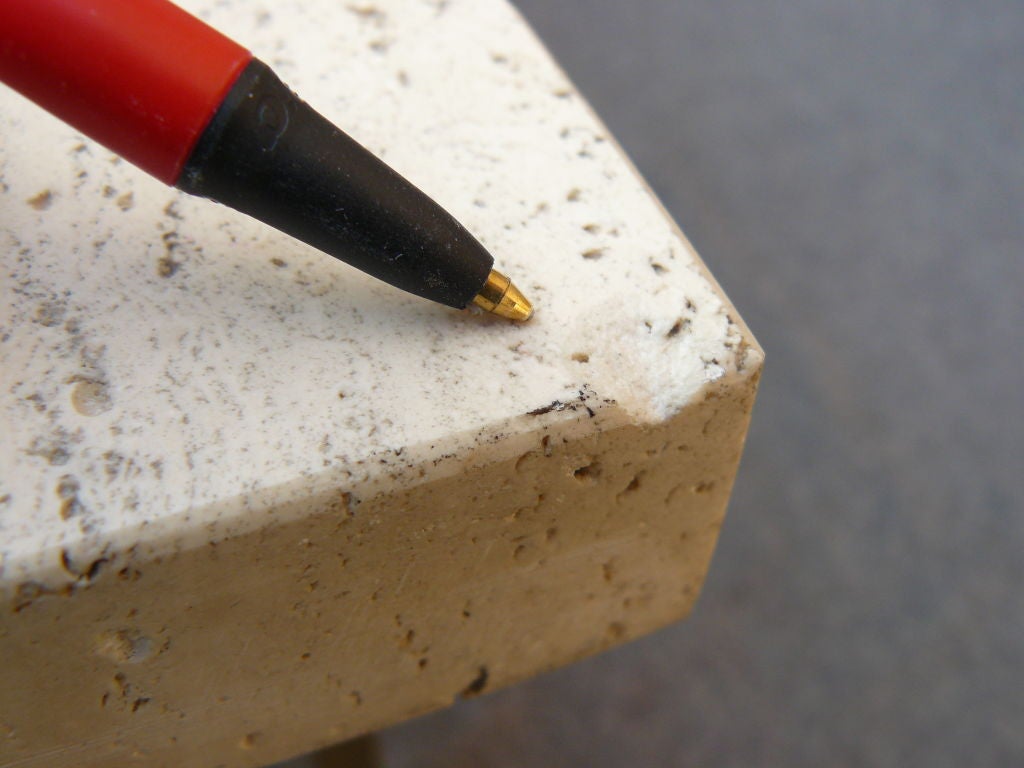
{"points": [[500, 296]]}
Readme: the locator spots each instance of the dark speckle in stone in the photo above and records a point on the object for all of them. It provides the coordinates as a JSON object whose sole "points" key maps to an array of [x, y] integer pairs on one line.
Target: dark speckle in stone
{"points": [[27, 593], [50, 312], [556, 405], [368, 13], [67, 492], [166, 266], [679, 325], [42, 200], [477, 685], [54, 450]]}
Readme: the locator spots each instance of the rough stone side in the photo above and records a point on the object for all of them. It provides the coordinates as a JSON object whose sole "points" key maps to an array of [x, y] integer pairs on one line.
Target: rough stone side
{"points": [[364, 612]]}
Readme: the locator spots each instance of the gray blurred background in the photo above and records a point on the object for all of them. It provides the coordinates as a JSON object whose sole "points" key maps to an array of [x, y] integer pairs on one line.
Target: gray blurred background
{"points": [[853, 174]]}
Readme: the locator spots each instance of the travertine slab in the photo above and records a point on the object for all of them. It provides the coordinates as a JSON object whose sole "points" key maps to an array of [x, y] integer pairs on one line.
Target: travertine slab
{"points": [[252, 502]]}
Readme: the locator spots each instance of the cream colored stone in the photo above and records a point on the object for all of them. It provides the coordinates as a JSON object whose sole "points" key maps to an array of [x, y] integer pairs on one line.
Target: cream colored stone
{"points": [[252, 502]]}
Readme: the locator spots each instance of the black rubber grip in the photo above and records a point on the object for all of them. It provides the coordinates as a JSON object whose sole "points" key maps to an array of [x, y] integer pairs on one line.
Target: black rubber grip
{"points": [[268, 154]]}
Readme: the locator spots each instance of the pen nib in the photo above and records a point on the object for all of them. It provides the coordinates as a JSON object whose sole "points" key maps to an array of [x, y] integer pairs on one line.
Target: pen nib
{"points": [[502, 298]]}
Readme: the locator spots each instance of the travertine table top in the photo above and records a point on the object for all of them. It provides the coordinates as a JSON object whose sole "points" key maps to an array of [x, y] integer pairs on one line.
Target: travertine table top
{"points": [[171, 369]]}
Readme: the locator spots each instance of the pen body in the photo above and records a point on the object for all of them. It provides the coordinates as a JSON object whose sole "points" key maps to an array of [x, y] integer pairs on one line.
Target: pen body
{"points": [[269, 154], [195, 109]]}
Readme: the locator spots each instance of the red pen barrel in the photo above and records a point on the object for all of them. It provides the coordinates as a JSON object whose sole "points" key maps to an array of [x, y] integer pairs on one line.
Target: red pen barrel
{"points": [[194, 109], [141, 77]]}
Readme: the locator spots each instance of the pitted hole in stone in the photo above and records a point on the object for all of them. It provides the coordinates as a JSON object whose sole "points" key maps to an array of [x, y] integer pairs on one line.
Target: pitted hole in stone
{"points": [[616, 631], [680, 325], [633, 485], [675, 494], [67, 491], [588, 473], [124, 646], [41, 201], [477, 685], [349, 504], [91, 397], [249, 740], [140, 702], [581, 357]]}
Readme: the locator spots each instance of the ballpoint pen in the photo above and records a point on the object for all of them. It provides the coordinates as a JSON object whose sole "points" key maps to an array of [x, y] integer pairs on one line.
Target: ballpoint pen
{"points": [[196, 110]]}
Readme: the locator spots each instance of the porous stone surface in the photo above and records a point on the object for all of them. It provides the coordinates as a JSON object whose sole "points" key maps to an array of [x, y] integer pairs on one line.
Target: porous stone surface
{"points": [[253, 502]]}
